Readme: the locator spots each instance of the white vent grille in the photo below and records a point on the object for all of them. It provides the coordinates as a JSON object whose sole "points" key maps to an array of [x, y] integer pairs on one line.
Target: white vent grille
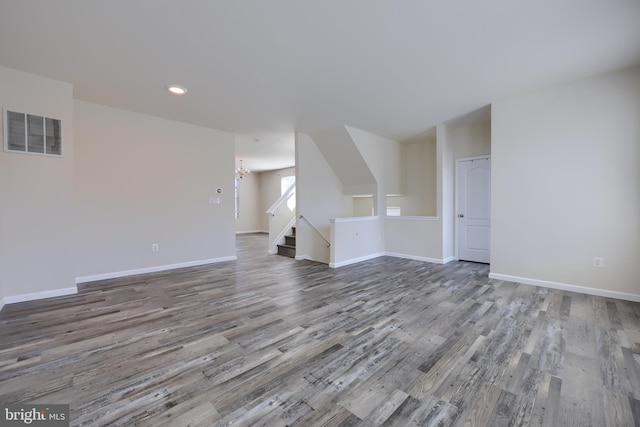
{"points": [[28, 133]]}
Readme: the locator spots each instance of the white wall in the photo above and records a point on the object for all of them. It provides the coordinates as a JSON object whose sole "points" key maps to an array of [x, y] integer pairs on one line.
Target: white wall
{"points": [[566, 185], [383, 158], [352, 240], [445, 190], [346, 159], [319, 199], [36, 197], [143, 180]]}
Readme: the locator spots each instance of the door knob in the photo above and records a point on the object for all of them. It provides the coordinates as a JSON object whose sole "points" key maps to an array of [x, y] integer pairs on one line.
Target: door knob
{"points": [[460, 215]]}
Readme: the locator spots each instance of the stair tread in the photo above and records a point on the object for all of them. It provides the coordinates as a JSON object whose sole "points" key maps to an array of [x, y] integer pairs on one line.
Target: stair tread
{"points": [[284, 245], [288, 248]]}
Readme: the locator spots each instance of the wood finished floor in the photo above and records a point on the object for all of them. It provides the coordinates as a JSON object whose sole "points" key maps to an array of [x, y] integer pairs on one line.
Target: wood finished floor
{"points": [[268, 340]]}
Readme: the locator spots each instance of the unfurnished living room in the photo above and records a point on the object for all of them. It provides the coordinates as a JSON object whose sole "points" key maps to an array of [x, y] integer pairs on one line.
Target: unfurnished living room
{"points": [[337, 213]]}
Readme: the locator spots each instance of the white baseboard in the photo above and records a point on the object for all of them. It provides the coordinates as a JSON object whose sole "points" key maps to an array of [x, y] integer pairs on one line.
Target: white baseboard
{"points": [[117, 274], [392, 254], [355, 260], [420, 258], [1, 303], [566, 287], [307, 257], [39, 295], [252, 232]]}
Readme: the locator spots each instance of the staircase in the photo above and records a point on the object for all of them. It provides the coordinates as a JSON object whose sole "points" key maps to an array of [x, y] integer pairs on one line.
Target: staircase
{"points": [[289, 246]]}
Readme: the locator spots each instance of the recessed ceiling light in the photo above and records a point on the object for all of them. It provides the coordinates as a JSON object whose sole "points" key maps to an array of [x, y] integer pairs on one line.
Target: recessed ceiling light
{"points": [[177, 89]]}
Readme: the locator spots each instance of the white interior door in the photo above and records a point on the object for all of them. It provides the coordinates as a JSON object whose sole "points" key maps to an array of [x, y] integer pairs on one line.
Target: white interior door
{"points": [[473, 190]]}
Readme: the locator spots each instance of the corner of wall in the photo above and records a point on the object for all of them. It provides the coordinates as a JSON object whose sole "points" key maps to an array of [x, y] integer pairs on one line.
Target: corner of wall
{"points": [[42, 188]]}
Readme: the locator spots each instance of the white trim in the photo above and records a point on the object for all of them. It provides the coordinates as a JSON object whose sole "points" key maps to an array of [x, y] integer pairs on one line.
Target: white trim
{"points": [[117, 274], [413, 218], [420, 258], [355, 260], [1, 303], [303, 258], [282, 199], [252, 232], [391, 254], [40, 295], [468, 159], [273, 245], [566, 287], [354, 219]]}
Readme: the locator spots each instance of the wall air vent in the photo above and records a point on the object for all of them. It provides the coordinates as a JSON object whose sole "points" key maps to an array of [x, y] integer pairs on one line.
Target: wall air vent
{"points": [[28, 133]]}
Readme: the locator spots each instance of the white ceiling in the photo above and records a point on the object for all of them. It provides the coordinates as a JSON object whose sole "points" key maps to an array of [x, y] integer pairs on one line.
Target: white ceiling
{"points": [[266, 68]]}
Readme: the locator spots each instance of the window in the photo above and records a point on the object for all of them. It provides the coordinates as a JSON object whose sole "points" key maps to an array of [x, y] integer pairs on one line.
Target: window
{"points": [[393, 211], [28, 133], [285, 183]]}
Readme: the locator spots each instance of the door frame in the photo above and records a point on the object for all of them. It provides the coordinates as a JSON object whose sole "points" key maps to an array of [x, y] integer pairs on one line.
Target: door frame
{"points": [[456, 232]]}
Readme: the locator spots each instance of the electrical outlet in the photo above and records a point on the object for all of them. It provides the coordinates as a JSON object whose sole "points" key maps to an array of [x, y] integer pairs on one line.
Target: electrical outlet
{"points": [[598, 261], [155, 247]]}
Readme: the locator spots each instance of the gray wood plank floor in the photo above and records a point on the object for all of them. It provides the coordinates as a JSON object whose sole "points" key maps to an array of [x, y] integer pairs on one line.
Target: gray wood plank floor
{"points": [[268, 340]]}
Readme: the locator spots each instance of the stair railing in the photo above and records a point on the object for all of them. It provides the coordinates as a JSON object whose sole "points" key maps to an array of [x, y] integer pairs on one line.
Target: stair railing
{"points": [[282, 199], [281, 218], [316, 230]]}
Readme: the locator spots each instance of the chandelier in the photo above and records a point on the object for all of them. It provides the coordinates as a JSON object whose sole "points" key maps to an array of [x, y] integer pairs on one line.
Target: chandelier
{"points": [[242, 172]]}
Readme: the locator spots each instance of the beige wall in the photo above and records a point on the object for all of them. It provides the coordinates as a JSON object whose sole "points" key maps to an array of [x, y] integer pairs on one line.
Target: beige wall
{"points": [[250, 219], [418, 178], [566, 184], [363, 206], [142, 180], [36, 197], [419, 164], [473, 139]]}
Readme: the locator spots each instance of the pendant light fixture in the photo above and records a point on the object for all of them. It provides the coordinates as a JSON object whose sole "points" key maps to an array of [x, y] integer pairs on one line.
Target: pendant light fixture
{"points": [[241, 172]]}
